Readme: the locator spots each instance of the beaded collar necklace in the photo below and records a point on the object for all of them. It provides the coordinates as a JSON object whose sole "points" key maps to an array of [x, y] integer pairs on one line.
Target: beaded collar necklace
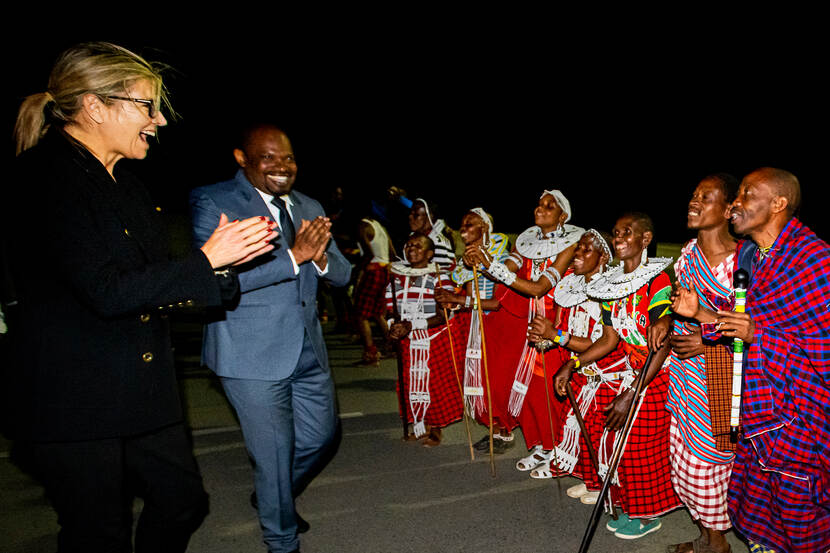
{"points": [[615, 283], [534, 244], [399, 268]]}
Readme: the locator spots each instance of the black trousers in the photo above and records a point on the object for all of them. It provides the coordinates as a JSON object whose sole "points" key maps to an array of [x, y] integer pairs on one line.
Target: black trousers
{"points": [[92, 485]]}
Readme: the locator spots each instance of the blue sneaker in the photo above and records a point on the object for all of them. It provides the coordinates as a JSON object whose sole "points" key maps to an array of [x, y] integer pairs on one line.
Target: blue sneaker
{"points": [[638, 528], [622, 520]]}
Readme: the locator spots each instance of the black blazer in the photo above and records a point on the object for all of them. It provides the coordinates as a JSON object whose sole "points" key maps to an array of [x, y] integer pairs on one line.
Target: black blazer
{"points": [[91, 353]]}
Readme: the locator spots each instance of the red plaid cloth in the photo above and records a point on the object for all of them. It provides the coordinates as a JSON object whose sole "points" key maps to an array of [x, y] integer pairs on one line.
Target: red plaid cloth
{"points": [[369, 296], [645, 470], [445, 405], [504, 333], [594, 418], [779, 494], [459, 326], [701, 486]]}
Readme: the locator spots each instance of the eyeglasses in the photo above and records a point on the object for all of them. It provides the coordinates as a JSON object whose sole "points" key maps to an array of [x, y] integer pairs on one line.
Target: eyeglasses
{"points": [[151, 105]]}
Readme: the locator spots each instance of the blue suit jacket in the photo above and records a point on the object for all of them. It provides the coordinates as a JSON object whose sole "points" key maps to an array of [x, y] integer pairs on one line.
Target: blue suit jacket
{"points": [[262, 337]]}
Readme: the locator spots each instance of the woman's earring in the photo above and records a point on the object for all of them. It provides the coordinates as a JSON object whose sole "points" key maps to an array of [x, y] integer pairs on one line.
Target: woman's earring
{"points": [[644, 257]]}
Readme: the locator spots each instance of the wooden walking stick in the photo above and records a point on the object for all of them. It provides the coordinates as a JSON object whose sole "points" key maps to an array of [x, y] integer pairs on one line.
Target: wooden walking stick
{"points": [[455, 370], [399, 355], [639, 393], [486, 373]]}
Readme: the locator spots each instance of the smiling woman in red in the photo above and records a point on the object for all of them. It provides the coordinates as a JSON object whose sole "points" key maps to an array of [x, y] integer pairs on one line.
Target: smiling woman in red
{"points": [[526, 279], [633, 294]]}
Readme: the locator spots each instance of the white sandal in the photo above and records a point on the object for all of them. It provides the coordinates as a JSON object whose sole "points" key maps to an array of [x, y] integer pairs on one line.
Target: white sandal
{"points": [[542, 471], [536, 457]]}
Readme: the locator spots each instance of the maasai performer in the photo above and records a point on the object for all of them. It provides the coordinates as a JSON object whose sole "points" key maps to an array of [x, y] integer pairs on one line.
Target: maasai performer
{"points": [[779, 494], [476, 230], [369, 300], [423, 218], [541, 255], [596, 382], [701, 371], [634, 293], [429, 382]]}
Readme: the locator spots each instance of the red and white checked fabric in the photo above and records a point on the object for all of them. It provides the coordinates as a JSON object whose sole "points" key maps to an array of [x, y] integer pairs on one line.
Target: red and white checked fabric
{"points": [[700, 485], [445, 396]]}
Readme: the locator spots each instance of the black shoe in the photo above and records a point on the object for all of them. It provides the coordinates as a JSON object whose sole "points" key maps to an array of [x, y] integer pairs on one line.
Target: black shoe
{"points": [[302, 524], [500, 446], [483, 444]]}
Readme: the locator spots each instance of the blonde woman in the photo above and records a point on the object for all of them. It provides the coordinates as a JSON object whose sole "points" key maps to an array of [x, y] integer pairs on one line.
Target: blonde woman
{"points": [[94, 386]]}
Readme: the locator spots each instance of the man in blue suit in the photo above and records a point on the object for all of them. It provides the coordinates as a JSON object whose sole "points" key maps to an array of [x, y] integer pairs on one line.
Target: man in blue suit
{"points": [[268, 350]]}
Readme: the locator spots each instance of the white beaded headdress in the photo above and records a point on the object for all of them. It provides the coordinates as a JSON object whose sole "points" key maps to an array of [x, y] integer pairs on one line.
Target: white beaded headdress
{"points": [[426, 210], [561, 200], [484, 217]]}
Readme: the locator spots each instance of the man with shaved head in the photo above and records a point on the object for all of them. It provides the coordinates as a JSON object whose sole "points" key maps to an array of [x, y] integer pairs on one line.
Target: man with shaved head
{"points": [[268, 349], [779, 494]]}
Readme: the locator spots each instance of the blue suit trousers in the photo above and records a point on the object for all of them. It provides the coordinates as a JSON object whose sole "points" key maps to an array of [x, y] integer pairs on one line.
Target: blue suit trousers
{"points": [[290, 430]]}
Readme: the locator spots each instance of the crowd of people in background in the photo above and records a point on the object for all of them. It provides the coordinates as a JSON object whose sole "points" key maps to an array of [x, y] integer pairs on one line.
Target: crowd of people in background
{"points": [[587, 313], [659, 383]]}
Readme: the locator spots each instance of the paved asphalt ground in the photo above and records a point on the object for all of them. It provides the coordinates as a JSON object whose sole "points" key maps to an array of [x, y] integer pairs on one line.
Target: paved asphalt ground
{"points": [[378, 495]]}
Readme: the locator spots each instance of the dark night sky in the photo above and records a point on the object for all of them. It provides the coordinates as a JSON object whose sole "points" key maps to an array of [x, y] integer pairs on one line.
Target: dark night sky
{"points": [[622, 121]]}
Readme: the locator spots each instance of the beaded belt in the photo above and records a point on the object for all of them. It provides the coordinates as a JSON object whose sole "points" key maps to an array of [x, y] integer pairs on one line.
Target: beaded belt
{"points": [[595, 375]]}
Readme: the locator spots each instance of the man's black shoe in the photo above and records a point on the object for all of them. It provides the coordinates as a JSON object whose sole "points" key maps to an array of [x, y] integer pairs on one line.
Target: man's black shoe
{"points": [[499, 445], [483, 444], [302, 524]]}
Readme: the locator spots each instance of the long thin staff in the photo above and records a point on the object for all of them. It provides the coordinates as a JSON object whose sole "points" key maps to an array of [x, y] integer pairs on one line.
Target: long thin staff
{"points": [[399, 355], [741, 280], [486, 373], [550, 419], [455, 370], [616, 456], [592, 453]]}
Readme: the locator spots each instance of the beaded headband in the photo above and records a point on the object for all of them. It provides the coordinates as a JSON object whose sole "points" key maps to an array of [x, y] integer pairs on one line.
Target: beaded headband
{"points": [[561, 200], [484, 217], [606, 250], [426, 210]]}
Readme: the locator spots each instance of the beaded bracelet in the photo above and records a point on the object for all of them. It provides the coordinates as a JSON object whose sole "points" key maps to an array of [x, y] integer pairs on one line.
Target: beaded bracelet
{"points": [[502, 273], [575, 358]]}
